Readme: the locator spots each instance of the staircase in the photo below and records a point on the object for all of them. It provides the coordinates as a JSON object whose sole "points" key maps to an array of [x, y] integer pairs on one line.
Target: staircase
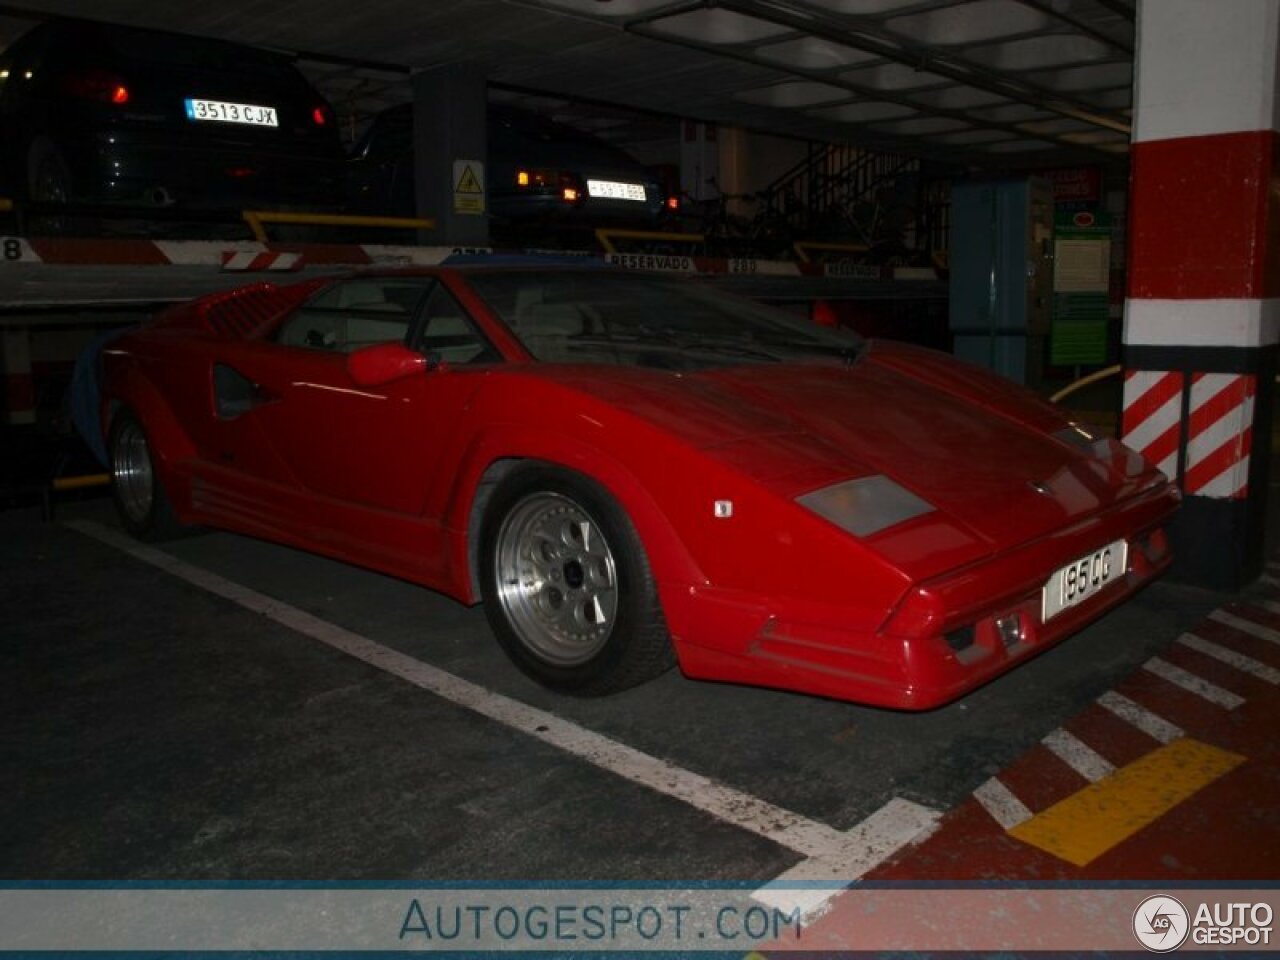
{"points": [[845, 194]]}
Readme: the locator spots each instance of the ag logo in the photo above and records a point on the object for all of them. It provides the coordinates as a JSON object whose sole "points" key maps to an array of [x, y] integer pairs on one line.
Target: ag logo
{"points": [[1161, 923]]}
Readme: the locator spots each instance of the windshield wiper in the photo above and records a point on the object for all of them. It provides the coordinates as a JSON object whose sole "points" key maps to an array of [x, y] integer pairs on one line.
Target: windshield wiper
{"points": [[726, 344], [850, 353]]}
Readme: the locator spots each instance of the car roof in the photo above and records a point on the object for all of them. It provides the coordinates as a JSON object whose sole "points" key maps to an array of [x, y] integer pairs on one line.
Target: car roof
{"points": [[79, 30]]}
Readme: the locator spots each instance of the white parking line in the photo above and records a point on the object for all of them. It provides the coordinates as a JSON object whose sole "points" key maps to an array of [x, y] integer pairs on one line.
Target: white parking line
{"points": [[896, 824], [1246, 626], [1078, 755], [1230, 657], [1136, 715], [999, 801], [1192, 684], [846, 855]]}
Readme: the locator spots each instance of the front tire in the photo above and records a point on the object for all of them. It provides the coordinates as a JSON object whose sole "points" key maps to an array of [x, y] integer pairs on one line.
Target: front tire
{"points": [[566, 584], [144, 508]]}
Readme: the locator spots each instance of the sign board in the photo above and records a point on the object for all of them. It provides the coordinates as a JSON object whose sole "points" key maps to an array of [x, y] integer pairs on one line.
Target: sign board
{"points": [[1074, 186], [1081, 279], [468, 187]]}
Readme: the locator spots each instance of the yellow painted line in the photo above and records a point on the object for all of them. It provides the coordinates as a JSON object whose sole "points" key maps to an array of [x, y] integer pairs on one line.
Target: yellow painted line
{"points": [[1091, 821]]}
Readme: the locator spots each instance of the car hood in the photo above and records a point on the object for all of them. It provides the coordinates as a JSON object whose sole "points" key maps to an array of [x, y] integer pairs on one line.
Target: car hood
{"points": [[986, 453]]}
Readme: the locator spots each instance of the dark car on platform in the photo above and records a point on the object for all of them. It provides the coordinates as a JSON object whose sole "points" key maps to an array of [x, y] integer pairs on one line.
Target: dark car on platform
{"points": [[543, 177], [104, 114]]}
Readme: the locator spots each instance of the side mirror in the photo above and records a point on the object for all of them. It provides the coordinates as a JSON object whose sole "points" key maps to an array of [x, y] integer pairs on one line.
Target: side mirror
{"points": [[382, 363]]}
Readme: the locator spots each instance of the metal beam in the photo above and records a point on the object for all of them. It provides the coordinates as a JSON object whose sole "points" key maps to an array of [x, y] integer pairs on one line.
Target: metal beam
{"points": [[1120, 8], [888, 144], [867, 37], [1050, 9]]}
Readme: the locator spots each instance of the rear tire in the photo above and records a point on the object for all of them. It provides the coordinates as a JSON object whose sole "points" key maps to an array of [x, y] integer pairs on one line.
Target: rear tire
{"points": [[140, 498], [566, 584]]}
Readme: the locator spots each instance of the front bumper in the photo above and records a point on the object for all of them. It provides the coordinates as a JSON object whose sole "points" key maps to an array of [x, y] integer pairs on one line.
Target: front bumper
{"points": [[908, 663]]}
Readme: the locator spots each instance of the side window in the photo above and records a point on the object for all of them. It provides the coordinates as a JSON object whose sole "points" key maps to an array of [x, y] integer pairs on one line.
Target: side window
{"points": [[359, 313], [449, 335]]}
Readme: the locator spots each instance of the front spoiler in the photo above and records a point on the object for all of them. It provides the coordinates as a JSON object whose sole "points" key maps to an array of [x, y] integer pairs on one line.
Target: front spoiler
{"points": [[908, 663]]}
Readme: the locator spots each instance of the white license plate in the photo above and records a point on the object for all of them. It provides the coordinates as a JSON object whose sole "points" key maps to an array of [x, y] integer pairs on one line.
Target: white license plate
{"points": [[220, 111], [1078, 581], [616, 190]]}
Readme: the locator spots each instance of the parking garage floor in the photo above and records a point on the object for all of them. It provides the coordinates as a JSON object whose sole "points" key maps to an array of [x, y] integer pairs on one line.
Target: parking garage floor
{"points": [[218, 707]]}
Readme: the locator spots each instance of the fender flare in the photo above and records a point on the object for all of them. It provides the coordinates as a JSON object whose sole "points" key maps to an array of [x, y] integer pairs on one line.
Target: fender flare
{"points": [[670, 559], [169, 442]]}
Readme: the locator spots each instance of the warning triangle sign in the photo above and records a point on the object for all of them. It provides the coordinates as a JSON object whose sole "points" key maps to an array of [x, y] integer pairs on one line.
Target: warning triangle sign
{"points": [[468, 183]]}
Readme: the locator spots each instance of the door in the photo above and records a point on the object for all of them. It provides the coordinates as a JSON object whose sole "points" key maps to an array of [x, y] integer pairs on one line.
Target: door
{"points": [[373, 448]]}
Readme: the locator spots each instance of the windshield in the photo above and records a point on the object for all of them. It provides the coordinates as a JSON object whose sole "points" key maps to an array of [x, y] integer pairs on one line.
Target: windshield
{"points": [[627, 319]]}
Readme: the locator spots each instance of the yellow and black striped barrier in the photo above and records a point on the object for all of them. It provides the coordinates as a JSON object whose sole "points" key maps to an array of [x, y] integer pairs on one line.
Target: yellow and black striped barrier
{"points": [[257, 220], [606, 235]]}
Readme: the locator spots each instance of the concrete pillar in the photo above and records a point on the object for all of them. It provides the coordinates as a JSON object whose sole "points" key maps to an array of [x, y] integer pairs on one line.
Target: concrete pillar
{"points": [[449, 143], [19, 386], [1201, 318], [699, 160]]}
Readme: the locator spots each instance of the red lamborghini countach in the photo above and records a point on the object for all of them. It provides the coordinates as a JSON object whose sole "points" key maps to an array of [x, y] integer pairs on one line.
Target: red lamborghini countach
{"points": [[632, 471]]}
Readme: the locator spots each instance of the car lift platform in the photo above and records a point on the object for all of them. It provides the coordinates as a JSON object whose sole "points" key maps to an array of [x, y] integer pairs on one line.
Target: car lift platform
{"points": [[52, 273]]}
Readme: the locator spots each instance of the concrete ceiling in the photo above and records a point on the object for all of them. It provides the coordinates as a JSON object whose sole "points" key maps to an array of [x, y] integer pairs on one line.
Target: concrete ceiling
{"points": [[1000, 82]]}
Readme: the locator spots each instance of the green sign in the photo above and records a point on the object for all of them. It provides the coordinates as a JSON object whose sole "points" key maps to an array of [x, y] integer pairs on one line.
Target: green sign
{"points": [[1081, 280]]}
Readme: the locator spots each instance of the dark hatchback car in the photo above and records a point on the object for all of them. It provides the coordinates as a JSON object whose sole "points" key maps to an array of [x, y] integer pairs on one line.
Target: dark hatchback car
{"points": [[541, 175], [98, 113]]}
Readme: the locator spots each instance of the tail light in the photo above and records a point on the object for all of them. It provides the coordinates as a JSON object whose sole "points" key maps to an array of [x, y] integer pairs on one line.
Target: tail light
{"points": [[322, 115], [538, 179], [566, 185], [673, 202], [97, 84]]}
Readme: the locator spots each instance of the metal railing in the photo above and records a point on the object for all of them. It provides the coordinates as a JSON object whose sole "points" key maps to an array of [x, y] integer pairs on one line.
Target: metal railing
{"points": [[1083, 382]]}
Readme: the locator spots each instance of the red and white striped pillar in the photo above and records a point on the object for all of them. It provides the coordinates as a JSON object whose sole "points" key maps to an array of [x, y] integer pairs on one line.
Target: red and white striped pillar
{"points": [[1202, 318]]}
